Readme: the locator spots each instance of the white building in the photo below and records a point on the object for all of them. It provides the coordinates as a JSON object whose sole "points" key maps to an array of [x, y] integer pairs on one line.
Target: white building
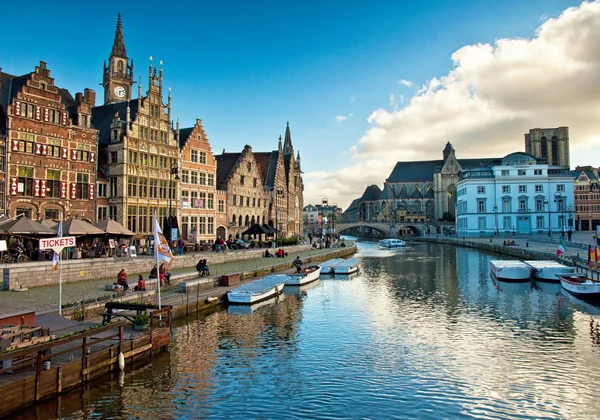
{"points": [[310, 214], [515, 195]]}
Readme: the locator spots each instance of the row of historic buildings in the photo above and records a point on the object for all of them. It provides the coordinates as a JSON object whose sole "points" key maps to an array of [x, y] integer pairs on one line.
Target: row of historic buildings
{"points": [[425, 191], [126, 159]]}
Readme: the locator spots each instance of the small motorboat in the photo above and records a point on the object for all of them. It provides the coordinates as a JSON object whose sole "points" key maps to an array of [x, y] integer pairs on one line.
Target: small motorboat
{"points": [[548, 270], [250, 309], [392, 243], [327, 266], [348, 266], [510, 270], [306, 276], [581, 286], [258, 290]]}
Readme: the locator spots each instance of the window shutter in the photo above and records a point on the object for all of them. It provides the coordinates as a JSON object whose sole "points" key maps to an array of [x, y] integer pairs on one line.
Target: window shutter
{"points": [[63, 190], [38, 112], [36, 187], [15, 145], [44, 149], [65, 153], [17, 108], [64, 118], [13, 185], [46, 115], [73, 190], [91, 191], [43, 188], [92, 157], [38, 149], [73, 154]]}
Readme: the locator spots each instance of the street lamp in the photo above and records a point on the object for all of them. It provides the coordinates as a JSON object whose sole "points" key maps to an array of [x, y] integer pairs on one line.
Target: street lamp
{"points": [[546, 203], [172, 220], [560, 206], [324, 204], [333, 208], [495, 220]]}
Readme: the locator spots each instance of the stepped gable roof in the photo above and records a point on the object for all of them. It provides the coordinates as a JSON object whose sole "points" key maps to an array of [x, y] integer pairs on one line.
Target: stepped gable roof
{"points": [[353, 206], [225, 164], [372, 193], [184, 135], [103, 115], [267, 164]]}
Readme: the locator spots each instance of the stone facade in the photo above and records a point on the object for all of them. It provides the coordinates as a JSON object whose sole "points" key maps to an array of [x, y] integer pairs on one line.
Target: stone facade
{"points": [[52, 149], [198, 185], [551, 144]]}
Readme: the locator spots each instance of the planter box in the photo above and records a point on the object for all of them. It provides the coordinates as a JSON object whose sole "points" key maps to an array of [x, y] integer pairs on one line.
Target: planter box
{"points": [[230, 279]]}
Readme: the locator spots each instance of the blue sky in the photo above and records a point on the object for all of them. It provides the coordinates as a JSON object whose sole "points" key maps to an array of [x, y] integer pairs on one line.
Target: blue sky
{"points": [[245, 68]]}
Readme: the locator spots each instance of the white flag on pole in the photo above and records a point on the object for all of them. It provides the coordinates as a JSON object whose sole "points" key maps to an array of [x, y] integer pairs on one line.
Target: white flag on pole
{"points": [[56, 256], [162, 250]]}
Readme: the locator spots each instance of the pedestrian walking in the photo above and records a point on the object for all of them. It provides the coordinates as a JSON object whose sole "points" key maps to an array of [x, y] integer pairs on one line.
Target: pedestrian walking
{"points": [[569, 234]]}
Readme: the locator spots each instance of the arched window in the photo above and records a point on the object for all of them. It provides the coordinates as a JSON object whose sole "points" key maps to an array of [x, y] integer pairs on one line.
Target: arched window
{"points": [[233, 219], [554, 145], [544, 148], [240, 221], [247, 221], [120, 66]]}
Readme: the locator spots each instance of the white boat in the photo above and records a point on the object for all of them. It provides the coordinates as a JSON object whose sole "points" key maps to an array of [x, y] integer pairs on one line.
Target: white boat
{"points": [[299, 290], [258, 290], [306, 276], [250, 309], [348, 266], [510, 270], [548, 270], [392, 243], [327, 266], [580, 286]]}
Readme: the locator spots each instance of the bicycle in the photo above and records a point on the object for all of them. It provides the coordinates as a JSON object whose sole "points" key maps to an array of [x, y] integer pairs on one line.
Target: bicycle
{"points": [[15, 258]]}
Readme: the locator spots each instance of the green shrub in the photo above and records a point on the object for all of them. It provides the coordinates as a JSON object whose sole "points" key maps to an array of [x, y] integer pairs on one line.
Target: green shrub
{"points": [[142, 319]]}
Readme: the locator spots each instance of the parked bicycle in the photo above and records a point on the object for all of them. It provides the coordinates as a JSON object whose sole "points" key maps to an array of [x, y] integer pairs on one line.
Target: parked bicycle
{"points": [[15, 257]]}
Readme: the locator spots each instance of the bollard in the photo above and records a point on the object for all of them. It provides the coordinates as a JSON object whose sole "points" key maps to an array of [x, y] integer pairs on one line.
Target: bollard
{"points": [[526, 244]]}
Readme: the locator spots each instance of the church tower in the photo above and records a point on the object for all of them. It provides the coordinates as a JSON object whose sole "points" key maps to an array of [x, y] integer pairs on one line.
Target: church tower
{"points": [[118, 75]]}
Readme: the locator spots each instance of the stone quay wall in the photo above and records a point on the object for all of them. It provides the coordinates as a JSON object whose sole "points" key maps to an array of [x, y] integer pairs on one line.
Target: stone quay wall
{"points": [[36, 274]]}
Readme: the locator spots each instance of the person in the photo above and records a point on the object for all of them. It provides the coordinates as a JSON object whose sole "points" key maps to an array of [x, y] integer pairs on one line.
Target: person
{"points": [[181, 246], [569, 234], [16, 248], [141, 284], [298, 264], [154, 272], [164, 274], [217, 246], [342, 245], [202, 268], [512, 243], [268, 254], [222, 244], [122, 279]]}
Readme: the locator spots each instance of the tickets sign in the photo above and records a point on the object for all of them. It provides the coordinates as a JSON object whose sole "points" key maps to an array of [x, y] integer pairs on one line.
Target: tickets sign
{"points": [[57, 244]]}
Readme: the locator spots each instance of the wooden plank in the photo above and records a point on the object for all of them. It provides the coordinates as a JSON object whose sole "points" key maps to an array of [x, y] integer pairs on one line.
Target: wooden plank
{"points": [[115, 359]]}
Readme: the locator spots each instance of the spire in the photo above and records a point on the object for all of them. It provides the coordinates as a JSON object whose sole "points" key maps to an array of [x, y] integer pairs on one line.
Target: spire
{"points": [[118, 48], [287, 144], [280, 142]]}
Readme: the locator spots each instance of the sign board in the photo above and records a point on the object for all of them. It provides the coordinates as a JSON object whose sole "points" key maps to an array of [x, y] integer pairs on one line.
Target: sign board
{"points": [[3, 245], [57, 244], [111, 243], [174, 235], [132, 251]]}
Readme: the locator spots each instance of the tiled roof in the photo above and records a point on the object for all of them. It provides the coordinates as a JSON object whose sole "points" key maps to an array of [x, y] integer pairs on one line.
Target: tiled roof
{"points": [[103, 115], [225, 163], [184, 135], [372, 193], [353, 206], [267, 163]]}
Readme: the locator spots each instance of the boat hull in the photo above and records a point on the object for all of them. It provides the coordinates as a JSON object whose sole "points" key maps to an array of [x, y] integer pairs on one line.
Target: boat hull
{"points": [[548, 271], [328, 266], [581, 286], [347, 267], [306, 277], [510, 270], [257, 291]]}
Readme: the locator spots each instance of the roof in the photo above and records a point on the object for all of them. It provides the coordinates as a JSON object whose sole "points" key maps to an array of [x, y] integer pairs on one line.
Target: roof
{"points": [[103, 115], [353, 206], [267, 163], [184, 135], [422, 171], [372, 193]]}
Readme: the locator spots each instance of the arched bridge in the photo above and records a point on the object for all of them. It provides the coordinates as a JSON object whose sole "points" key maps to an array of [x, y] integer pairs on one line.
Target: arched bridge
{"points": [[390, 230]]}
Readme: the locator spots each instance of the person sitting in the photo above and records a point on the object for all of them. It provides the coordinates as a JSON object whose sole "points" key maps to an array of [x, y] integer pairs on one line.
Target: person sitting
{"points": [[122, 279], [154, 272], [164, 274], [342, 245], [281, 253], [202, 268], [512, 243], [268, 254], [141, 284], [298, 264]]}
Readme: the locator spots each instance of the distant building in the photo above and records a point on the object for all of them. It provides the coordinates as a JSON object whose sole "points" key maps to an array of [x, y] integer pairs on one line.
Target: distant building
{"points": [[351, 213], [518, 194], [550, 144], [310, 214], [587, 197]]}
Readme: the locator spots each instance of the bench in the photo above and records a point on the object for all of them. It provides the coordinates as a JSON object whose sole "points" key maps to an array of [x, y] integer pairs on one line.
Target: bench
{"points": [[118, 309]]}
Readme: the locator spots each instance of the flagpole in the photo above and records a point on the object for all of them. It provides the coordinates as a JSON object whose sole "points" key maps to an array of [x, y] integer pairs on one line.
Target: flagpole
{"points": [[60, 272], [156, 258]]}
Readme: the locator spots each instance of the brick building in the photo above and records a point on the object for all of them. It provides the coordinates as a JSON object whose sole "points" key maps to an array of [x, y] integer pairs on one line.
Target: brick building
{"points": [[51, 148], [587, 198]]}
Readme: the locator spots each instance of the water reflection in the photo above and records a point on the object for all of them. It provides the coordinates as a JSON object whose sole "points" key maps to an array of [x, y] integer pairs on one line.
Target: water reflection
{"points": [[421, 333]]}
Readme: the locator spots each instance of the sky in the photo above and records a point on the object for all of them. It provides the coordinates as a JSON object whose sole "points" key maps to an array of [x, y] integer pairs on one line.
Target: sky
{"points": [[363, 84]]}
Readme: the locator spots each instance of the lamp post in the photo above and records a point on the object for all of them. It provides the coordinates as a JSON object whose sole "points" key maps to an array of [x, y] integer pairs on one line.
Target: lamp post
{"points": [[546, 203], [560, 206], [323, 205], [495, 220], [172, 175], [333, 208]]}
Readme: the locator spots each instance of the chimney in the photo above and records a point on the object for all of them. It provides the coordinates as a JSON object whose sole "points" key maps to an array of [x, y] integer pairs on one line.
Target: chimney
{"points": [[78, 98], [198, 121], [90, 97]]}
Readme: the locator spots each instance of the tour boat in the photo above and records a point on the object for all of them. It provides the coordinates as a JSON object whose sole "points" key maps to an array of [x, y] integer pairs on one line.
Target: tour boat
{"points": [[580, 286], [348, 266], [548, 270], [306, 276], [510, 270], [258, 290], [392, 243], [327, 266]]}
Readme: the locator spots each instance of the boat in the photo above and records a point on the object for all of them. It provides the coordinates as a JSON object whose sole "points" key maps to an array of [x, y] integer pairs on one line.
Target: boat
{"points": [[510, 270], [581, 286], [548, 270], [327, 266], [348, 266], [250, 309], [258, 290], [392, 243], [306, 276], [299, 290]]}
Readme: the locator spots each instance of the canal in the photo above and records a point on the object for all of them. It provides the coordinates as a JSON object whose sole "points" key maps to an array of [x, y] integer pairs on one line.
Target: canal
{"points": [[421, 332]]}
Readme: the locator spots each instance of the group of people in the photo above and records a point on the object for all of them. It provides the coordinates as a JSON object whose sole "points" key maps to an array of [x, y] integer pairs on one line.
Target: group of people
{"points": [[202, 268], [280, 253], [122, 281], [162, 273], [508, 243]]}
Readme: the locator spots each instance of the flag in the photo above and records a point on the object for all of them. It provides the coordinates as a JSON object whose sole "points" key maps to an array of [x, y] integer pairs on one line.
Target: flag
{"points": [[561, 248], [597, 257], [591, 257], [56, 256], [162, 250]]}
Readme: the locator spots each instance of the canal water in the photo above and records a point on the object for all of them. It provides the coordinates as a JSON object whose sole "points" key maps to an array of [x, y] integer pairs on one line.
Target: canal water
{"points": [[421, 332]]}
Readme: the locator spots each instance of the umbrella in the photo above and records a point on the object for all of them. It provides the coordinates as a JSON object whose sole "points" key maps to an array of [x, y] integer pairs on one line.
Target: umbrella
{"points": [[25, 226], [78, 227], [255, 230], [271, 229], [49, 223], [110, 227]]}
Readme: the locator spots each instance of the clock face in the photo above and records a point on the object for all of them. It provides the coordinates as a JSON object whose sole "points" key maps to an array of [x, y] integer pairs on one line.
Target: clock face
{"points": [[120, 92]]}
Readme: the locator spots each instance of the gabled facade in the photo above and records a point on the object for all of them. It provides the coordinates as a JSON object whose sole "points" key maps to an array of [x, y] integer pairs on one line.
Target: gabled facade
{"points": [[51, 148], [587, 197], [199, 201], [310, 214]]}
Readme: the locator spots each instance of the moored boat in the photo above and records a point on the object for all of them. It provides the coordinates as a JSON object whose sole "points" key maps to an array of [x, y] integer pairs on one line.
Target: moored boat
{"points": [[306, 276], [327, 266], [298, 290], [257, 290], [548, 270], [250, 309], [510, 270], [392, 243], [580, 286], [348, 266]]}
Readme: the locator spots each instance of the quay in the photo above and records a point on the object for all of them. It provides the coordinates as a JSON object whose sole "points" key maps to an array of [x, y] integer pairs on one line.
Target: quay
{"points": [[83, 349]]}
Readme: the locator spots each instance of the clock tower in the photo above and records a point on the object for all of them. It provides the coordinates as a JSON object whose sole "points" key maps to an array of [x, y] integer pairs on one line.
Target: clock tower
{"points": [[118, 75]]}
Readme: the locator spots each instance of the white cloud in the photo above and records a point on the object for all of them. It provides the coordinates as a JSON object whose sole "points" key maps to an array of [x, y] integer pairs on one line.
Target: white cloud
{"points": [[405, 82], [340, 118], [483, 106]]}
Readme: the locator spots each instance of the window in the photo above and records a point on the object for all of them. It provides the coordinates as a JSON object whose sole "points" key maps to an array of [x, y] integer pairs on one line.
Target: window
{"points": [[162, 189], [211, 225], [132, 186], [506, 223], [480, 189], [211, 179], [53, 151], [202, 179], [102, 213], [481, 223], [153, 193], [247, 201], [185, 176], [249, 167], [195, 203], [114, 157], [521, 172], [539, 204], [506, 189], [143, 158], [504, 172], [1, 194], [25, 211], [211, 201], [480, 206], [101, 190], [143, 188], [523, 204], [506, 205], [25, 146], [221, 206], [82, 186], [25, 181], [112, 186], [143, 219], [537, 172], [53, 183], [539, 222], [241, 179], [82, 155], [131, 218], [51, 214], [255, 183], [153, 161], [203, 158], [202, 226], [253, 202], [234, 200], [560, 188], [84, 120], [194, 156], [194, 177], [112, 212], [522, 189], [539, 188]]}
